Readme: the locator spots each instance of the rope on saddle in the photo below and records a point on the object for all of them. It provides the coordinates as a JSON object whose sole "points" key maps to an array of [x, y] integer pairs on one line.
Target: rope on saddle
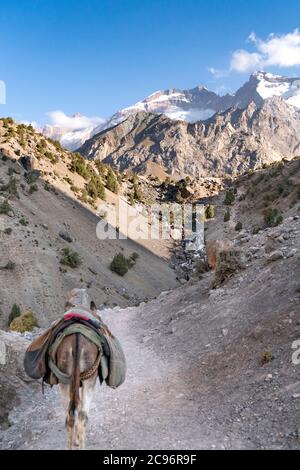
{"points": [[87, 374]]}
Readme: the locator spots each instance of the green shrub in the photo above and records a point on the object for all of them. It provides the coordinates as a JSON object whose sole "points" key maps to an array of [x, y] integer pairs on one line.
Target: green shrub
{"points": [[8, 121], [23, 221], [79, 166], [84, 196], [229, 198], [14, 313], [272, 217], [48, 187], [111, 182], [56, 144], [33, 188], [95, 188], [239, 226], [8, 230], [134, 255], [25, 322], [210, 212], [50, 156], [227, 216], [70, 258], [266, 357], [5, 207], [119, 264]]}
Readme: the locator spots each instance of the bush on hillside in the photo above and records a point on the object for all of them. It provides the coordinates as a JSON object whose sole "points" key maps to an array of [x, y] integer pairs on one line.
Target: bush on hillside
{"points": [[95, 188], [5, 207], [70, 258], [25, 322], [227, 216], [210, 212], [111, 182], [272, 217], [33, 188], [14, 313], [119, 264], [23, 222], [229, 198]]}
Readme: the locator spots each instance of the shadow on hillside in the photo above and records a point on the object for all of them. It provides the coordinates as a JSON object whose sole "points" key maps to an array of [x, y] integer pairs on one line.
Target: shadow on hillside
{"points": [[121, 239]]}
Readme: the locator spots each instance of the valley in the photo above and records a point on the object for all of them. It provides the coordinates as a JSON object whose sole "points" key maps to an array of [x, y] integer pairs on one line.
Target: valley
{"points": [[209, 335]]}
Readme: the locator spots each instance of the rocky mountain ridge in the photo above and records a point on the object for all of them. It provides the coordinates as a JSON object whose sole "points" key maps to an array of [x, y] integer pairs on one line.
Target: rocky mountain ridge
{"points": [[229, 143]]}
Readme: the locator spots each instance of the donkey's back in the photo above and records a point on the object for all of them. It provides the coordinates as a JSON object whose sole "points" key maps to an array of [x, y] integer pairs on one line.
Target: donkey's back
{"points": [[79, 358]]}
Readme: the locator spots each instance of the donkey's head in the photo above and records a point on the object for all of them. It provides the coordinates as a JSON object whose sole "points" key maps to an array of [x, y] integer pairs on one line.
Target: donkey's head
{"points": [[77, 298]]}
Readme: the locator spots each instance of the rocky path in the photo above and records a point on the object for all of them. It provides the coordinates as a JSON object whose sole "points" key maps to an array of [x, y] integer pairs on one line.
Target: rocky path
{"points": [[151, 410]]}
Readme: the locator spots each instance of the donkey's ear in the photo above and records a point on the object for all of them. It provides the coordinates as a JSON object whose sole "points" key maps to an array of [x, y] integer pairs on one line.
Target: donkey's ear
{"points": [[93, 306]]}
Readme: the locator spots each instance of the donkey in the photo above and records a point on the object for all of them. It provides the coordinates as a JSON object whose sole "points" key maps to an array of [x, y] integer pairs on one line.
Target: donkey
{"points": [[77, 355]]}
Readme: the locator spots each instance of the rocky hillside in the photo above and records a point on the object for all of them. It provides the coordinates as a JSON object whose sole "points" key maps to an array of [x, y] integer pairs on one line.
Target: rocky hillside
{"points": [[230, 143], [48, 241]]}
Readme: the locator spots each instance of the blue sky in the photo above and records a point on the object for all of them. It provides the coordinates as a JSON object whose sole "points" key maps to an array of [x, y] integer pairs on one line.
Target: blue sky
{"points": [[97, 56]]}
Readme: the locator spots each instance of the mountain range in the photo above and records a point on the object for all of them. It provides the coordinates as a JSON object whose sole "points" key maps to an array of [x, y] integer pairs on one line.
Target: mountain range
{"points": [[229, 143], [189, 105]]}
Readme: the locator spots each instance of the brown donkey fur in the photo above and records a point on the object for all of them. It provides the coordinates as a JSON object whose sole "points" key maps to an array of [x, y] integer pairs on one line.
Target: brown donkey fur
{"points": [[76, 354]]}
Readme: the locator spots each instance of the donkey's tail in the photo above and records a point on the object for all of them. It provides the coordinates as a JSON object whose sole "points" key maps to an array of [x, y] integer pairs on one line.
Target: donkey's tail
{"points": [[75, 382]]}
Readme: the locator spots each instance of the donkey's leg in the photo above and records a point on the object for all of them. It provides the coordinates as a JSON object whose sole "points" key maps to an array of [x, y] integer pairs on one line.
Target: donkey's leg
{"points": [[65, 395], [87, 391]]}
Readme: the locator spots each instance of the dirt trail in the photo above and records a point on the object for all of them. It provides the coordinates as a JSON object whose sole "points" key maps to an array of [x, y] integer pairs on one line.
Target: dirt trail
{"points": [[151, 410]]}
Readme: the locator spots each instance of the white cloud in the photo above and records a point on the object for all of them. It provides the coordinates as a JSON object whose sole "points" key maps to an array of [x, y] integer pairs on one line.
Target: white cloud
{"points": [[243, 61], [276, 50], [218, 73], [73, 123], [281, 51]]}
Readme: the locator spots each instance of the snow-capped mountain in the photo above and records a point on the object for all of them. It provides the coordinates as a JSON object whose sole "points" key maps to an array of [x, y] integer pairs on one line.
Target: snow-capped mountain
{"points": [[262, 85], [186, 105], [73, 131], [190, 105], [70, 140]]}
